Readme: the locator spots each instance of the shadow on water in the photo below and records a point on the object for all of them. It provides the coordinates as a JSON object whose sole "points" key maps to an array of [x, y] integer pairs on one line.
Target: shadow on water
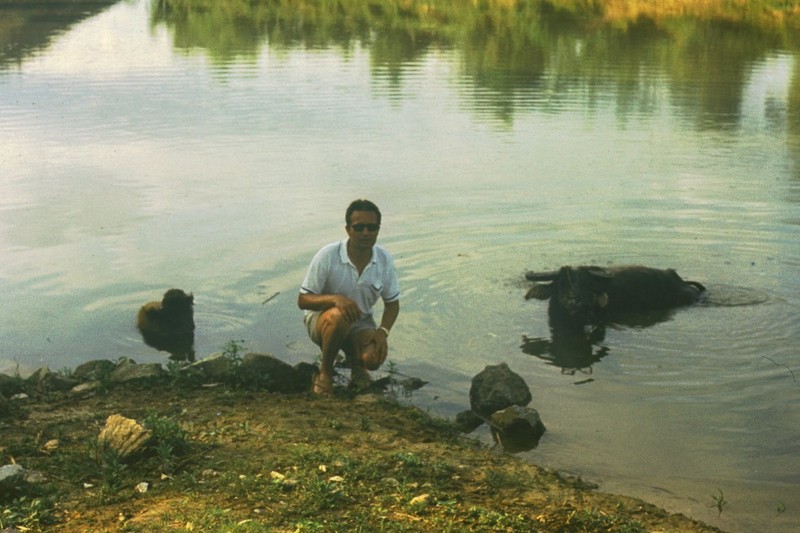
{"points": [[27, 26]]}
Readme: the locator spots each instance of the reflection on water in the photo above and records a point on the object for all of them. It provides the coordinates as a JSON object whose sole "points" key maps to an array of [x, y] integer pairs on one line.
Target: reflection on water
{"points": [[516, 55], [567, 350], [29, 27], [174, 144]]}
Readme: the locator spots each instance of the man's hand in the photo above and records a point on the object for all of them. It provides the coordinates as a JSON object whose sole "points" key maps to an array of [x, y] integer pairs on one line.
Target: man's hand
{"points": [[375, 355], [348, 307]]}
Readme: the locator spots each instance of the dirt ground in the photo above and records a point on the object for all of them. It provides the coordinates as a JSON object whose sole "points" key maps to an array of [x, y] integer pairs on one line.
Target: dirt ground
{"points": [[235, 460]]}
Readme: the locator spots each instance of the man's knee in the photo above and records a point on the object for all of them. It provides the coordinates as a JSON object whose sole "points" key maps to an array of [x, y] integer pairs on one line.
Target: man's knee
{"points": [[331, 321], [369, 357]]}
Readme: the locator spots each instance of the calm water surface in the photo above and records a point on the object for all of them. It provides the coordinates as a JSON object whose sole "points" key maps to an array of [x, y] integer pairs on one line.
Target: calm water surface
{"points": [[138, 155]]}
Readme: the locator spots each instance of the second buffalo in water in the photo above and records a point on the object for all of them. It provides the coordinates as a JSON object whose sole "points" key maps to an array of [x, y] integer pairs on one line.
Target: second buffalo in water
{"points": [[591, 295]]}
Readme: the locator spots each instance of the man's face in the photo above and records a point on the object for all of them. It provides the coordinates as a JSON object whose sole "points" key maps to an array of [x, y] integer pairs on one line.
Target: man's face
{"points": [[363, 229]]}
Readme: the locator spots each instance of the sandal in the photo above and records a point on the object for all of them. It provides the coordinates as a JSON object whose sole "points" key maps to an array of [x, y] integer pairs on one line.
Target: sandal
{"points": [[320, 386]]}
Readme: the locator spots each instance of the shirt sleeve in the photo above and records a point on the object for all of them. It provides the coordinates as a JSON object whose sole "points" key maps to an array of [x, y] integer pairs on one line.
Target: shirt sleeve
{"points": [[391, 289], [314, 282]]}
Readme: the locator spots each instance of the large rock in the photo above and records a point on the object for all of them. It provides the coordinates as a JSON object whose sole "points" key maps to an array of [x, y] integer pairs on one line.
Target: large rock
{"points": [[495, 388], [269, 372], [5, 405], [123, 435], [215, 366], [127, 370], [94, 370], [9, 386], [45, 380], [468, 421], [517, 428]]}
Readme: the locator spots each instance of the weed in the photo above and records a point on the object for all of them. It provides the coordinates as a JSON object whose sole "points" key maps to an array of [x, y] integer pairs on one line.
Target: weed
{"points": [[496, 479], [595, 520], [170, 440], [780, 507], [719, 501], [233, 350], [168, 432], [112, 469], [408, 460], [25, 513]]}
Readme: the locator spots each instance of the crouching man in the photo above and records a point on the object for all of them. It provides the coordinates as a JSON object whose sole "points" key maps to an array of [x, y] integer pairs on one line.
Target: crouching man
{"points": [[343, 284]]}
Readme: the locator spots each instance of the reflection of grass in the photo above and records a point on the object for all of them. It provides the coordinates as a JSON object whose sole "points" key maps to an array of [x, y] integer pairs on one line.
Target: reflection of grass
{"points": [[505, 46], [396, 25], [719, 501]]}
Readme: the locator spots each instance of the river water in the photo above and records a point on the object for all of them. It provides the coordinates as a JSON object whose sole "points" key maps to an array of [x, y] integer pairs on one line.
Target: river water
{"points": [[141, 151]]}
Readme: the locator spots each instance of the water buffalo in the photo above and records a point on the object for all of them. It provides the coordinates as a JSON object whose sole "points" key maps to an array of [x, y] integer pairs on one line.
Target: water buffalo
{"points": [[587, 295], [168, 325]]}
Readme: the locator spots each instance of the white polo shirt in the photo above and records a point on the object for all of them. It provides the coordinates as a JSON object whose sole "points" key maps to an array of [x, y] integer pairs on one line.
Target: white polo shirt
{"points": [[332, 272]]}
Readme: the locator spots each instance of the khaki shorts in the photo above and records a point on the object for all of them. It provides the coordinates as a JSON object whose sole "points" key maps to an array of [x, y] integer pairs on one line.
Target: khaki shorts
{"points": [[310, 320]]}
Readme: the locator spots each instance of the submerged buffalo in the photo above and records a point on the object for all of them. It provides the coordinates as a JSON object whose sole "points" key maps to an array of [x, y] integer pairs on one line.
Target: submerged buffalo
{"points": [[168, 325], [591, 295]]}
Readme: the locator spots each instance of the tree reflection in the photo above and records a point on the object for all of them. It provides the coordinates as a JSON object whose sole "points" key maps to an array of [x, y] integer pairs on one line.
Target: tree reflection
{"points": [[514, 51], [27, 27]]}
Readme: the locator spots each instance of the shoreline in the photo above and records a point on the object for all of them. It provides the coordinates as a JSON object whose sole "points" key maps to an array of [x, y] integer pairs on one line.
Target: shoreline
{"points": [[245, 459]]}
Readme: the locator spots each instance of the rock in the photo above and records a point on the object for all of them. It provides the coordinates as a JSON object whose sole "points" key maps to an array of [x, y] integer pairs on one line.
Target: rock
{"points": [[305, 372], [5, 405], [496, 388], [422, 500], [468, 421], [44, 380], [215, 366], [84, 388], [127, 370], [411, 384], [11, 476], [123, 435], [50, 446], [517, 428], [267, 371], [94, 370], [9, 386]]}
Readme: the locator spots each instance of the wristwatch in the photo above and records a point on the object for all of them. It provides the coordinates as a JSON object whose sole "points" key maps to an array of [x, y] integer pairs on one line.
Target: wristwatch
{"points": [[384, 330]]}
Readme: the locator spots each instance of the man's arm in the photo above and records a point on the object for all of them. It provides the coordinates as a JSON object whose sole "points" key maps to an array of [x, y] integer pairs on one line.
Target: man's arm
{"points": [[322, 302], [390, 312]]}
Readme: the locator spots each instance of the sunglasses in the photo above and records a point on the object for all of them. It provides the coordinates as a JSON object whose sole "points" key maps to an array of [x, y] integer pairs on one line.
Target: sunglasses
{"points": [[372, 228]]}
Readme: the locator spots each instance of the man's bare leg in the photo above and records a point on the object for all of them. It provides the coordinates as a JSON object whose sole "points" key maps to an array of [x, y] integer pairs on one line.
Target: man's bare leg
{"points": [[362, 355], [332, 327]]}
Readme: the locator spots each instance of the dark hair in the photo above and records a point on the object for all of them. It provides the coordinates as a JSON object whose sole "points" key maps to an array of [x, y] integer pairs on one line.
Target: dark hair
{"points": [[361, 205]]}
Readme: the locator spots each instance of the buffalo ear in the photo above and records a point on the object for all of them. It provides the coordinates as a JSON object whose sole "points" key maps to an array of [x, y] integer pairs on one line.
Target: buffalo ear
{"points": [[540, 291]]}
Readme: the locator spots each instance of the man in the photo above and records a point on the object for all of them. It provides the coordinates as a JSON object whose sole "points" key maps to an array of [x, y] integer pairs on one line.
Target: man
{"points": [[343, 283]]}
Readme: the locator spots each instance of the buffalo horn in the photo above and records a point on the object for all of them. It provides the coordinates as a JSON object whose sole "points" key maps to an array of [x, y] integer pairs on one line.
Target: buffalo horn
{"points": [[541, 276]]}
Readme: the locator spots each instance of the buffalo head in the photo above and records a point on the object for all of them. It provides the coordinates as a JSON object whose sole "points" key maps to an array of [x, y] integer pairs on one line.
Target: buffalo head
{"points": [[575, 293]]}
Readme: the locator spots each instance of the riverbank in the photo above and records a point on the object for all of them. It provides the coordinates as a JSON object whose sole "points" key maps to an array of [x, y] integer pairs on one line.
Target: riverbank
{"points": [[224, 458]]}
